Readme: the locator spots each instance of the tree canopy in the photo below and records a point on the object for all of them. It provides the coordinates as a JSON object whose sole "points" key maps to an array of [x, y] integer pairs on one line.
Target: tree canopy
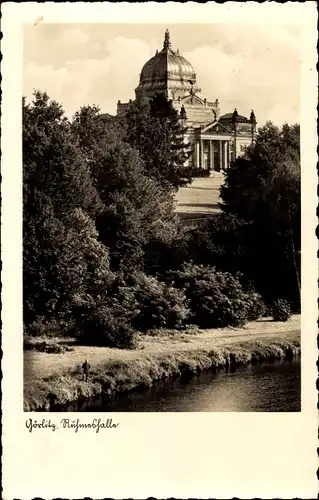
{"points": [[263, 188], [158, 134]]}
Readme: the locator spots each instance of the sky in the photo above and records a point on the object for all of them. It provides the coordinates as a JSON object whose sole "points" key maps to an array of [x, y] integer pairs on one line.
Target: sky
{"points": [[247, 66]]}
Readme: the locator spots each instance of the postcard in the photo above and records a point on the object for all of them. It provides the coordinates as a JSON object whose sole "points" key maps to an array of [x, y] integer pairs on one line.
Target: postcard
{"points": [[159, 250]]}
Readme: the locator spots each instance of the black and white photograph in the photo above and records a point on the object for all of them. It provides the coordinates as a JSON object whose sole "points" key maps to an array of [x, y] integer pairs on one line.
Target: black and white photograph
{"points": [[161, 218], [159, 270]]}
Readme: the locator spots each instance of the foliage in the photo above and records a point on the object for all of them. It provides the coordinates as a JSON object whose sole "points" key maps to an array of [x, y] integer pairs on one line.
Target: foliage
{"points": [[48, 345], [281, 310], [217, 299], [53, 163], [219, 241], [265, 182], [105, 324], [88, 207], [256, 306], [64, 264], [157, 304], [94, 130], [41, 327], [137, 209], [62, 258], [99, 213], [157, 133], [262, 188], [163, 256]]}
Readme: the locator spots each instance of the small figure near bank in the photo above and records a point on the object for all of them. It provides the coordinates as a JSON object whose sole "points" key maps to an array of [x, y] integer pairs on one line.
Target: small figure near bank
{"points": [[86, 368]]}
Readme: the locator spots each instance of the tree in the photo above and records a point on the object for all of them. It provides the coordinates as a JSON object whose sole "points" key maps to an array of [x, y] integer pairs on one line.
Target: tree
{"points": [[137, 208], [60, 204], [94, 131], [156, 131], [263, 189], [219, 241], [65, 266], [52, 160]]}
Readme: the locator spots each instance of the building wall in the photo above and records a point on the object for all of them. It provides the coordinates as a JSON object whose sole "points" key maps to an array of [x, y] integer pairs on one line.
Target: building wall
{"points": [[122, 107]]}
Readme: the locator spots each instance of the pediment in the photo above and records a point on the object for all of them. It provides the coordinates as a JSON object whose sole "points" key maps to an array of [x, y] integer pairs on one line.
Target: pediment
{"points": [[192, 99], [216, 127]]}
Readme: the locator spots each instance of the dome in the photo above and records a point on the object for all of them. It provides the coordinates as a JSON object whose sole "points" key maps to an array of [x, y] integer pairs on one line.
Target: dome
{"points": [[167, 65]]}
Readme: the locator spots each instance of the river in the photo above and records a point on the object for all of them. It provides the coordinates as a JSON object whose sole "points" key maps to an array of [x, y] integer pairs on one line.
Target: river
{"points": [[265, 387]]}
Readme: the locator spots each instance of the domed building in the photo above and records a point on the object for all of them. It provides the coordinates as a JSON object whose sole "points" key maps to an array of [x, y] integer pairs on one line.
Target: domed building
{"points": [[215, 139]]}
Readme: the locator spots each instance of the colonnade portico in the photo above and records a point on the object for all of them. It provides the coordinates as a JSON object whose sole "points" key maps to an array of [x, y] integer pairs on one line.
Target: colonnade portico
{"points": [[212, 154]]}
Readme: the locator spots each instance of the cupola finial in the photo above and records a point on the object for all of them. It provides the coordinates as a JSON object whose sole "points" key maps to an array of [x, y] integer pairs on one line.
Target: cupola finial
{"points": [[167, 40]]}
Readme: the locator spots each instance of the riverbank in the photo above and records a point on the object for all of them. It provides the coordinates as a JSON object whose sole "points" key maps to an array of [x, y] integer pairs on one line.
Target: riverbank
{"points": [[55, 379]]}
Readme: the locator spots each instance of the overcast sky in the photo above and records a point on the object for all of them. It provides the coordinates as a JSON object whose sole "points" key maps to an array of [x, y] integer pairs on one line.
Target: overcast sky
{"points": [[244, 66]]}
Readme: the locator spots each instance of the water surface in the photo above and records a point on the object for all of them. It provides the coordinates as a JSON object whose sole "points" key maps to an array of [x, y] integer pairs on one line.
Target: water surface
{"points": [[266, 387]]}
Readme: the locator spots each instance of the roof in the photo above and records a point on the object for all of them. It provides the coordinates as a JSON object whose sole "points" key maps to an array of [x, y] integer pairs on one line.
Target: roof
{"points": [[229, 117], [106, 116]]}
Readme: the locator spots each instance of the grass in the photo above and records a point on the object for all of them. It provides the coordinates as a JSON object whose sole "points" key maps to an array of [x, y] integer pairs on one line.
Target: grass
{"points": [[56, 378]]}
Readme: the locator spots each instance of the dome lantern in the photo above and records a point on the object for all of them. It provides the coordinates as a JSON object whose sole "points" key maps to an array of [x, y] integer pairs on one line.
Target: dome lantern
{"points": [[167, 41]]}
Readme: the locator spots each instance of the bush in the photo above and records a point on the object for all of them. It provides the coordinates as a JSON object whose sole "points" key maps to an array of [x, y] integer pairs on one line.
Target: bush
{"points": [[47, 345], [102, 325], [281, 310], [42, 327], [157, 304], [217, 299], [256, 306]]}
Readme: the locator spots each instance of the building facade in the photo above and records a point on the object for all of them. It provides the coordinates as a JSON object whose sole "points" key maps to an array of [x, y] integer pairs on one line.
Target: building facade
{"points": [[214, 139]]}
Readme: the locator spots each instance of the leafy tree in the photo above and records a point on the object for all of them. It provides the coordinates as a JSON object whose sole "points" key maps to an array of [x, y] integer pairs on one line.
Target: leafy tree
{"points": [[220, 241], [263, 189], [52, 160], [95, 131], [65, 266], [137, 208], [156, 131], [62, 256]]}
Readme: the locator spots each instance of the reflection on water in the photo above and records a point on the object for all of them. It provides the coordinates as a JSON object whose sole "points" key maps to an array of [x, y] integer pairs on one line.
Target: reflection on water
{"points": [[263, 387]]}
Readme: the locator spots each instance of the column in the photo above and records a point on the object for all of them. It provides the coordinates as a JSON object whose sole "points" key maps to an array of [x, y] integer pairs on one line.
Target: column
{"points": [[201, 153], [211, 163], [197, 153], [225, 155], [220, 144], [235, 144]]}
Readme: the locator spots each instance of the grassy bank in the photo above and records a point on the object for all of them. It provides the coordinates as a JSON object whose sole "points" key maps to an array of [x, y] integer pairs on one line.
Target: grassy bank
{"points": [[56, 378]]}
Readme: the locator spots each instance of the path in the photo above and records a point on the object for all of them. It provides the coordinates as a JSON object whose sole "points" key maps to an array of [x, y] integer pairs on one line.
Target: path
{"points": [[38, 365], [200, 199]]}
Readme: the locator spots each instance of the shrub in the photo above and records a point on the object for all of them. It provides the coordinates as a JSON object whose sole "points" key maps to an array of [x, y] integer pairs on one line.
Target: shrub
{"points": [[43, 327], [280, 310], [217, 299], [157, 304], [256, 306], [102, 325], [47, 345]]}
